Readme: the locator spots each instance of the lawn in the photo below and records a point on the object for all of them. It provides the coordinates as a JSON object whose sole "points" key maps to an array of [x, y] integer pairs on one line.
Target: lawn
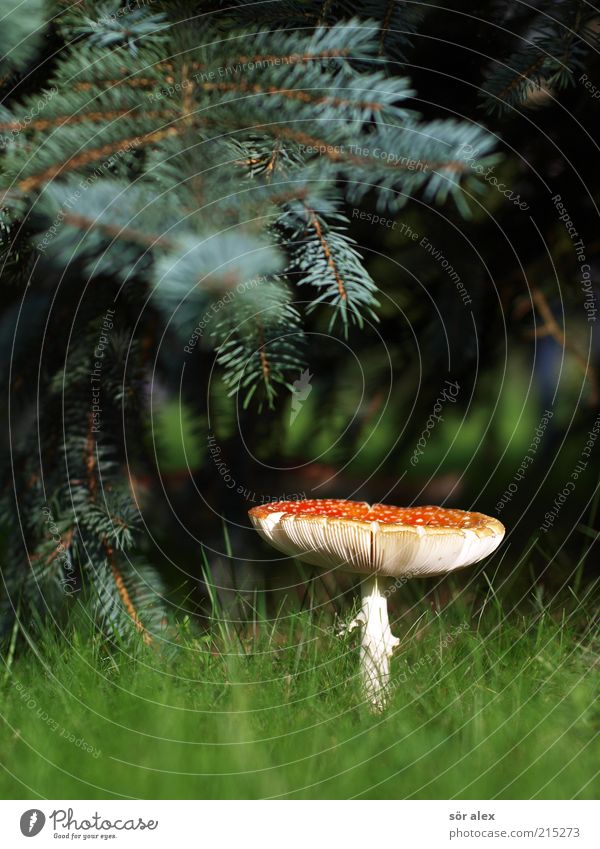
{"points": [[492, 703]]}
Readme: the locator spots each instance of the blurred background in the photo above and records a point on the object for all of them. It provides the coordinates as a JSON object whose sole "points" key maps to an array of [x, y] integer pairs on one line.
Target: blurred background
{"points": [[502, 308], [477, 387]]}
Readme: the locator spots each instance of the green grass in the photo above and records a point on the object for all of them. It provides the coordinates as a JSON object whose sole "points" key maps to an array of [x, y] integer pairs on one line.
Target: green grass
{"points": [[505, 709]]}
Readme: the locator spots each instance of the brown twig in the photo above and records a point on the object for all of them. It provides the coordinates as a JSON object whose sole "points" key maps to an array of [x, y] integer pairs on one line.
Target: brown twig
{"points": [[324, 12], [90, 459], [124, 594], [314, 220], [385, 26], [272, 163], [68, 539], [335, 153], [292, 94], [552, 328], [264, 360], [80, 118], [89, 156], [522, 76], [187, 100]]}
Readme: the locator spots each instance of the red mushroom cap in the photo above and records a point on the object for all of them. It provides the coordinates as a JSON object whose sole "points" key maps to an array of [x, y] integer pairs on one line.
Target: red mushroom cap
{"points": [[359, 537]]}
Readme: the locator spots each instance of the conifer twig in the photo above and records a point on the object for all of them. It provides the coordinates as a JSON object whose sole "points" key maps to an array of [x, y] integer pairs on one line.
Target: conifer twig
{"points": [[125, 597], [314, 220], [88, 156], [552, 328]]}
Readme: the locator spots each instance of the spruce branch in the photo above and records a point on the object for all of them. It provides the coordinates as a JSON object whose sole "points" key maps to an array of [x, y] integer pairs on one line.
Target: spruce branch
{"points": [[112, 26], [548, 55], [323, 256], [124, 594], [20, 34], [198, 165], [259, 340], [82, 160]]}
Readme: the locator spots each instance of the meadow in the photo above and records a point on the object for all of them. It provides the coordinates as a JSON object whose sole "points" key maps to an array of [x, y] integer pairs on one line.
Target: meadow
{"points": [[486, 703]]}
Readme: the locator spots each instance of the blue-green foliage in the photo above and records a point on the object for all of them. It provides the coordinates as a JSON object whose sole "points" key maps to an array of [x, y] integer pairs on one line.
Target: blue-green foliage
{"points": [[186, 166], [21, 32]]}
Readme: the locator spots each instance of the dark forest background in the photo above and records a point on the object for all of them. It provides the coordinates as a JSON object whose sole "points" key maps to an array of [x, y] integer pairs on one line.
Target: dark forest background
{"points": [[497, 306]]}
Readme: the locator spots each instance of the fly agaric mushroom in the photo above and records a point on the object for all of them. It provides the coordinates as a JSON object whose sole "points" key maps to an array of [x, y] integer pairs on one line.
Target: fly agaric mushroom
{"points": [[384, 543]]}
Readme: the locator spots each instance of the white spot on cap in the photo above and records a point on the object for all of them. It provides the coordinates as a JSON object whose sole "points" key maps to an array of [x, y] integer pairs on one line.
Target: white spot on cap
{"points": [[272, 519]]}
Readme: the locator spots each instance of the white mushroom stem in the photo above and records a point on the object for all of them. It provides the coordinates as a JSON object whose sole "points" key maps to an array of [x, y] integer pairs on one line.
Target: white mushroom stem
{"points": [[377, 643]]}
